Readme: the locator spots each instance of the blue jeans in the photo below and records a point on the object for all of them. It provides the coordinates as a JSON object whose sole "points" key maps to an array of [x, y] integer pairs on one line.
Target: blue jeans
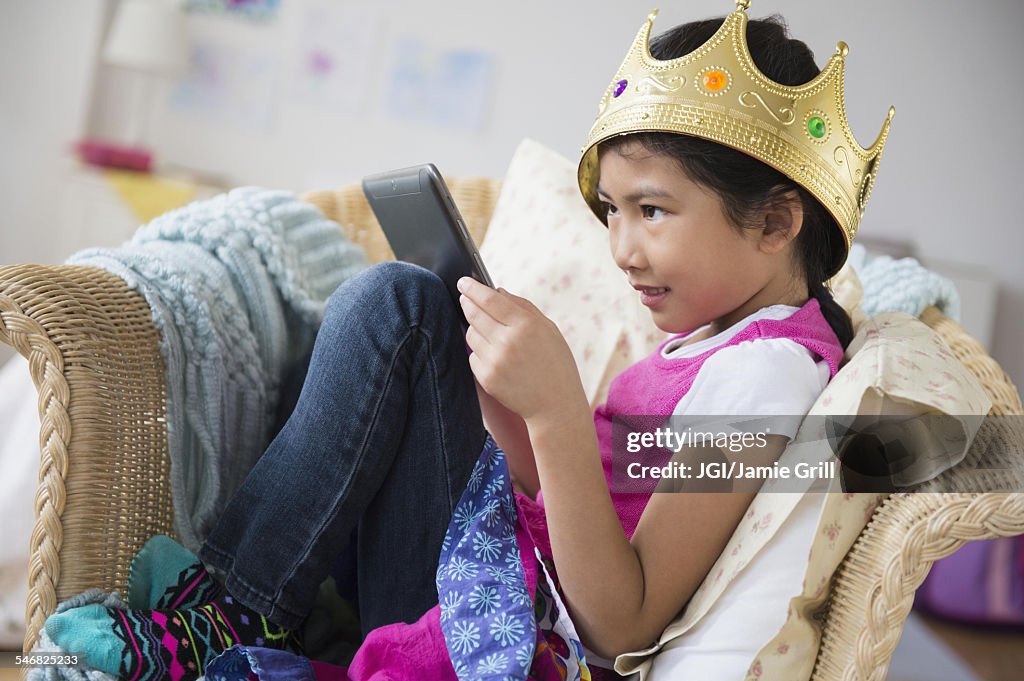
{"points": [[379, 446]]}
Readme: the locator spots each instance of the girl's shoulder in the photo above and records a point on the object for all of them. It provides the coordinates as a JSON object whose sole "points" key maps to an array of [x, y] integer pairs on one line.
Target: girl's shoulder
{"points": [[760, 377]]}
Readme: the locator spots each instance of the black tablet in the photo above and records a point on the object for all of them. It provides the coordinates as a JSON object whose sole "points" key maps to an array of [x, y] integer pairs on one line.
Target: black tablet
{"points": [[423, 225]]}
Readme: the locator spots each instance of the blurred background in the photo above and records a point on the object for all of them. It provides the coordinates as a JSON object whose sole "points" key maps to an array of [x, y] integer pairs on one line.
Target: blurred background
{"points": [[112, 111]]}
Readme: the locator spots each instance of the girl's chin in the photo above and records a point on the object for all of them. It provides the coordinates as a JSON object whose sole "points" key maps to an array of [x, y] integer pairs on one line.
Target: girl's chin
{"points": [[669, 325], [674, 325]]}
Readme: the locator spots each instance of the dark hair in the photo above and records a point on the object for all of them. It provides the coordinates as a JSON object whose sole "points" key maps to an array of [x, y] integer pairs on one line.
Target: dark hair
{"points": [[746, 185]]}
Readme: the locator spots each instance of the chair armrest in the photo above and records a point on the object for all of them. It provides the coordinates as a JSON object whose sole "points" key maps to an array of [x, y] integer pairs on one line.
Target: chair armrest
{"points": [[874, 587], [104, 483]]}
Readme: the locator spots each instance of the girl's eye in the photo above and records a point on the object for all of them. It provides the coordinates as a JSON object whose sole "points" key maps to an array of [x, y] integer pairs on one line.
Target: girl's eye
{"points": [[608, 208], [652, 212]]}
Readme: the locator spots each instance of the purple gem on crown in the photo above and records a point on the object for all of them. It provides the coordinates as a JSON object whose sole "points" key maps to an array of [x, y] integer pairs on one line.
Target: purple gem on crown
{"points": [[620, 87]]}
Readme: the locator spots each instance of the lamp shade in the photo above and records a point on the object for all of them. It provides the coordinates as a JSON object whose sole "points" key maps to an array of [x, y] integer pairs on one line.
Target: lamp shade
{"points": [[148, 35]]}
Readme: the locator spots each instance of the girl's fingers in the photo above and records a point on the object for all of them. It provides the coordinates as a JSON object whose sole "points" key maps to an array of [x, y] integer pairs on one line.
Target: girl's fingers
{"points": [[498, 304], [479, 318], [477, 366], [476, 341]]}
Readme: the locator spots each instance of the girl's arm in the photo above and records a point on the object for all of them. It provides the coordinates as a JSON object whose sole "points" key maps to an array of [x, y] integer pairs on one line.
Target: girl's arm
{"points": [[621, 593], [509, 430]]}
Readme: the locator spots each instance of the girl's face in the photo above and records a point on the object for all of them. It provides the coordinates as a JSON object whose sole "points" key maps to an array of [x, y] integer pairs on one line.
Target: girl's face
{"points": [[667, 231]]}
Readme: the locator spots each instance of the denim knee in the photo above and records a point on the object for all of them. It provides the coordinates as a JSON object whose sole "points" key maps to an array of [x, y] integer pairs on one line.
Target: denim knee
{"points": [[412, 291]]}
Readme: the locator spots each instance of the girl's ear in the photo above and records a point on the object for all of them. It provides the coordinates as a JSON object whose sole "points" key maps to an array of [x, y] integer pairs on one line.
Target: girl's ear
{"points": [[782, 222]]}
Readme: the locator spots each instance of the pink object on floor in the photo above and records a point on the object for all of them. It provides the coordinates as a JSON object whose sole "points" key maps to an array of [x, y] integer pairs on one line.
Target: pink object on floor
{"points": [[110, 155]]}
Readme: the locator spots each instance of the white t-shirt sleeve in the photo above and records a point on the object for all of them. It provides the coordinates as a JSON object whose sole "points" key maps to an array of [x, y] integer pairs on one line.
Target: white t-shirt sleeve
{"points": [[774, 377]]}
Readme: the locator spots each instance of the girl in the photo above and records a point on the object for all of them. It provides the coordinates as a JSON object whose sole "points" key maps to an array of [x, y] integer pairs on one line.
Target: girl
{"points": [[729, 254]]}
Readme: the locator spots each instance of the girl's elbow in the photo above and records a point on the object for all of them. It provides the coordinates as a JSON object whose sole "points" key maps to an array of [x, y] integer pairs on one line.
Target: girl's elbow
{"points": [[626, 627]]}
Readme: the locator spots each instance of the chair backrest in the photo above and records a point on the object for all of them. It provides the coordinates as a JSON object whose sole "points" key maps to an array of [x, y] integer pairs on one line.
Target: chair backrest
{"points": [[475, 197]]}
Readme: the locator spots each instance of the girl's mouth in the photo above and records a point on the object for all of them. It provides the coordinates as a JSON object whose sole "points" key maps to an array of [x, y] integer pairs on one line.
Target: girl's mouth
{"points": [[652, 296]]}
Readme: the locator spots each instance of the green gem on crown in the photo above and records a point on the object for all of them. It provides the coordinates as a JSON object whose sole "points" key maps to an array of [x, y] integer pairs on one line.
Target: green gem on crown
{"points": [[816, 126]]}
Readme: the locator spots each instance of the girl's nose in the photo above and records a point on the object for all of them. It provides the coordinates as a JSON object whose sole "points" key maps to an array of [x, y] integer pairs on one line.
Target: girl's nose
{"points": [[626, 248]]}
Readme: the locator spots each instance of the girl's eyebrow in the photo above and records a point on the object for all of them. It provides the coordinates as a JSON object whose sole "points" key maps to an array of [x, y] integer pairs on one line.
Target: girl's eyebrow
{"points": [[642, 192]]}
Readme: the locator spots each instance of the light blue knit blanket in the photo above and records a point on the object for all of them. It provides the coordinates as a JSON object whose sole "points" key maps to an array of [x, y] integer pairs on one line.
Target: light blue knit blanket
{"points": [[902, 285], [237, 285]]}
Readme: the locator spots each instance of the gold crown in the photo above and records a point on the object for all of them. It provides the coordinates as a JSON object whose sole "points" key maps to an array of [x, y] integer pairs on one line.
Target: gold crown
{"points": [[717, 93]]}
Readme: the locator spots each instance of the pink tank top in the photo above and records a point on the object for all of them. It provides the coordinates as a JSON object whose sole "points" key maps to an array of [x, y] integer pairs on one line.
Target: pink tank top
{"points": [[652, 387]]}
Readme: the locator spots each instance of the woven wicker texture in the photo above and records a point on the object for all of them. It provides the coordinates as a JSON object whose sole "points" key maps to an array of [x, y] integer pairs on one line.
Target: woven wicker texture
{"points": [[103, 480], [874, 587]]}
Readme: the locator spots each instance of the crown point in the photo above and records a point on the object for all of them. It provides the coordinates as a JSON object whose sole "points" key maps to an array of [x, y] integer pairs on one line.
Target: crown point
{"points": [[892, 112], [743, 4], [842, 48]]}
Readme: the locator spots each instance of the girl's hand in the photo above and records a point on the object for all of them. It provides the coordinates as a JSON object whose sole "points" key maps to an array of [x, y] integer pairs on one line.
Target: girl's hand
{"points": [[518, 355]]}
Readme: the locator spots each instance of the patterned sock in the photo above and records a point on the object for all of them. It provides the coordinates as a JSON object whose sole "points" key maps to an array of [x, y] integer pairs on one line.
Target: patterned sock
{"points": [[165, 575], [173, 643]]}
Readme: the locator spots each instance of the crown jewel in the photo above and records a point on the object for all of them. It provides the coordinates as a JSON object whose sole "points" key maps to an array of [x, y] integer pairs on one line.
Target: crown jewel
{"points": [[717, 93]]}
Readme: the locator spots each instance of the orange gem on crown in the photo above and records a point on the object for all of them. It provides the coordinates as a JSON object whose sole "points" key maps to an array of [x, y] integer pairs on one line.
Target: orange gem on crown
{"points": [[715, 80]]}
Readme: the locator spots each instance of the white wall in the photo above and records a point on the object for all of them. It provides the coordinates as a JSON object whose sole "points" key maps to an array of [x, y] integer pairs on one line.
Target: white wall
{"points": [[47, 50], [947, 181]]}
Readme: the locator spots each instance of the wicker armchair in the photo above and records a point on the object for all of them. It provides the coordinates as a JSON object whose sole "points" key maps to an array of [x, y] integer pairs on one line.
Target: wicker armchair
{"points": [[104, 486]]}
